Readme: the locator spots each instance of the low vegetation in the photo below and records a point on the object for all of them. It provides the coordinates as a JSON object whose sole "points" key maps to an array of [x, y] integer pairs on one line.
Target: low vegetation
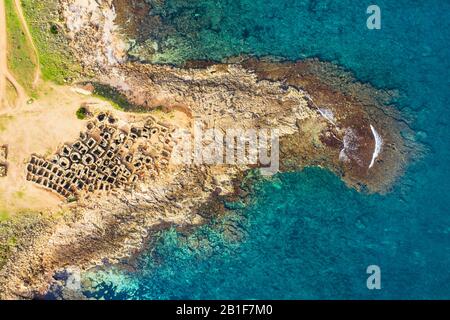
{"points": [[56, 58], [17, 228], [115, 98], [21, 60], [4, 215], [81, 113]]}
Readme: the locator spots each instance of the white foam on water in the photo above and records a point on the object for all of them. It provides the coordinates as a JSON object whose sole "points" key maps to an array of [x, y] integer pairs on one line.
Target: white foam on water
{"points": [[378, 145]]}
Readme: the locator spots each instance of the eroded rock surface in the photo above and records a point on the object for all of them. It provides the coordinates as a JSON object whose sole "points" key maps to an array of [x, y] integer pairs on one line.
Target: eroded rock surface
{"points": [[323, 116], [110, 154]]}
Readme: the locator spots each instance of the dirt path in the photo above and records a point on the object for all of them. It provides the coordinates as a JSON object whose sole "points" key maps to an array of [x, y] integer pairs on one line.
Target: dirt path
{"points": [[5, 75], [3, 55], [24, 23]]}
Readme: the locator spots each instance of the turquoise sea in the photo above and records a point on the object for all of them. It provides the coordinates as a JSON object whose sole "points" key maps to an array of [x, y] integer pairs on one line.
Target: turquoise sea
{"points": [[306, 235]]}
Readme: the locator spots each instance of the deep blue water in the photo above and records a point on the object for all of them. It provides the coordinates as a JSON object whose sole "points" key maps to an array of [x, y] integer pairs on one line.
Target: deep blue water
{"points": [[307, 234]]}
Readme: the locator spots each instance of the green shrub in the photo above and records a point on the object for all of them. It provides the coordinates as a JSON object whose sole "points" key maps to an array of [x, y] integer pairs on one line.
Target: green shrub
{"points": [[81, 113]]}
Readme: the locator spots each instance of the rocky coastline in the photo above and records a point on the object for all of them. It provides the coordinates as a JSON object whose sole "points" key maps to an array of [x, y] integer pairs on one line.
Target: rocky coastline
{"points": [[324, 116]]}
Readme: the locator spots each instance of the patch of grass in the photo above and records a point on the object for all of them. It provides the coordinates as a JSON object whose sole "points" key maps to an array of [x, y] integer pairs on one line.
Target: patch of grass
{"points": [[114, 104], [58, 63], [4, 122], [162, 113], [4, 215], [19, 194], [12, 241], [115, 98], [81, 113], [20, 53], [18, 229]]}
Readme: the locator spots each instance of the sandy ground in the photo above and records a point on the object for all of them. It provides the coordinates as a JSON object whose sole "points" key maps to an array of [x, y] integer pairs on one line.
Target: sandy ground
{"points": [[18, 132], [40, 127], [30, 128]]}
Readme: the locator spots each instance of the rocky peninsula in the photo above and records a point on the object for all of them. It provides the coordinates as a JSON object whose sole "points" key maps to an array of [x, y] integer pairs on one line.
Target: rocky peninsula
{"points": [[324, 118]]}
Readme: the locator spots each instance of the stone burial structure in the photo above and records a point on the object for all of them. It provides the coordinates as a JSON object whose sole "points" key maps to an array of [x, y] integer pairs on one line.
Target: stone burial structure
{"points": [[3, 158], [105, 157]]}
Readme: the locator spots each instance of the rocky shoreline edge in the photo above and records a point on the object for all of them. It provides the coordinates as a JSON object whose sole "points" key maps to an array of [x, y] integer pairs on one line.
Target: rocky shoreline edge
{"points": [[326, 119]]}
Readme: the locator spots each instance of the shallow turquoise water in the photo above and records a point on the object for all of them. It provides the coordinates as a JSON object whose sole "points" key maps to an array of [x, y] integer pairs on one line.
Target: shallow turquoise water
{"points": [[307, 234]]}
